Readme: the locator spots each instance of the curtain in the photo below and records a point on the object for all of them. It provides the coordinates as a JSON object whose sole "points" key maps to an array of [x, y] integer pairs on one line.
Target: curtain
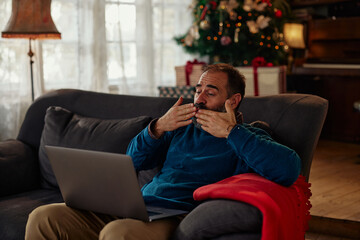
{"points": [[15, 95], [78, 60], [144, 49]]}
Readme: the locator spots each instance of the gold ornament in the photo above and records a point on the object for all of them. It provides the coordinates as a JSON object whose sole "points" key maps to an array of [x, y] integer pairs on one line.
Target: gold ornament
{"points": [[204, 24]]}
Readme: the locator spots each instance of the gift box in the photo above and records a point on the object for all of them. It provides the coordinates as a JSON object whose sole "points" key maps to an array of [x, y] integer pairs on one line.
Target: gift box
{"points": [[189, 74], [180, 91], [262, 81]]}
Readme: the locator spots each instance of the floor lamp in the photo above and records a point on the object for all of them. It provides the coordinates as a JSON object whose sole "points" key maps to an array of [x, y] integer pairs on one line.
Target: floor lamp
{"points": [[31, 19]]}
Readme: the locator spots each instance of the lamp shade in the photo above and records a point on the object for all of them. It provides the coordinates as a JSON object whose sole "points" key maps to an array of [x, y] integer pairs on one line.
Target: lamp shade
{"points": [[31, 19], [294, 35]]}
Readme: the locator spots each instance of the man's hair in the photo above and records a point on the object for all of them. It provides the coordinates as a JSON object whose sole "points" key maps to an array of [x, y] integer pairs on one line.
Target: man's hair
{"points": [[236, 81]]}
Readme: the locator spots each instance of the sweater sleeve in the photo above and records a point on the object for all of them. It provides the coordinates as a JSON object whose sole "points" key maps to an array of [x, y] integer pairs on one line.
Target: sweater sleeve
{"points": [[266, 157], [146, 151]]}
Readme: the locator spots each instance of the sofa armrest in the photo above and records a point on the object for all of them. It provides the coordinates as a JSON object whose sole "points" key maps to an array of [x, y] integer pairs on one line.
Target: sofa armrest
{"points": [[19, 170]]}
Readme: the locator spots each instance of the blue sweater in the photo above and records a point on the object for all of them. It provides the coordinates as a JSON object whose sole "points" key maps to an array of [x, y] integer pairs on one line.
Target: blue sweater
{"points": [[192, 158]]}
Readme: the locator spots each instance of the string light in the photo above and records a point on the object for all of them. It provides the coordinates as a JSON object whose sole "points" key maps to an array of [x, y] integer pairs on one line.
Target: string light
{"points": [[269, 45], [239, 17], [228, 25], [262, 36], [238, 24], [249, 14], [215, 38], [208, 38], [245, 62], [201, 6], [268, 38], [277, 47], [261, 43], [219, 33]]}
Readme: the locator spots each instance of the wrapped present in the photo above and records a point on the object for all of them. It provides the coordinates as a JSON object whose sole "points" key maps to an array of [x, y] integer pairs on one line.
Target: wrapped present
{"points": [[189, 74], [179, 91], [263, 78]]}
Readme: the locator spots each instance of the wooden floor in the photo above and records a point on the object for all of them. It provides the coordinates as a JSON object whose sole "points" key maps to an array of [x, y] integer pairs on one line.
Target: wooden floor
{"points": [[335, 179], [316, 236]]}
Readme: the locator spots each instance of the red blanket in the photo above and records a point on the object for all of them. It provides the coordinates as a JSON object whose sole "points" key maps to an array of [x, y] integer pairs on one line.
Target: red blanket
{"points": [[285, 210]]}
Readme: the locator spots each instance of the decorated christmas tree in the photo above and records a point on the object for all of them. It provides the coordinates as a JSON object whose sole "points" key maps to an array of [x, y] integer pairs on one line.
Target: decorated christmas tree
{"points": [[238, 31]]}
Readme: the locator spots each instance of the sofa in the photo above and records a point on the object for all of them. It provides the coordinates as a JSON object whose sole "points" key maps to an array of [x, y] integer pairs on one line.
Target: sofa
{"points": [[26, 182]]}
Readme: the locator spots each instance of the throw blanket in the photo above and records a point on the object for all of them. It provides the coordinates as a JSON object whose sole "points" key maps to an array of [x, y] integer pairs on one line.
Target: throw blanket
{"points": [[285, 210]]}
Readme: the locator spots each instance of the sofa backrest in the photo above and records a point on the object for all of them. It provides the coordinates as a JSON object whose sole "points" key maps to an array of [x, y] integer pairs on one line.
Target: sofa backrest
{"points": [[296, 119]]}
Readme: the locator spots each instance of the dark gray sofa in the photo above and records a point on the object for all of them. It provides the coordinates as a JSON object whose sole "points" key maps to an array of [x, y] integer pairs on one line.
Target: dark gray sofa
{"points": [[295, 119]]}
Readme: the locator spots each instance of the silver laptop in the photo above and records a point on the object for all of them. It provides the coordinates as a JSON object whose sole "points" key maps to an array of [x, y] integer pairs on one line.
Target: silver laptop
{"points": [[102, 182]]}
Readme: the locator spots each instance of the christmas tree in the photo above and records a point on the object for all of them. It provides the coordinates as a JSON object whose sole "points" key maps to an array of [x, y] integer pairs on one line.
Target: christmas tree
{"points": [[238, 31]]}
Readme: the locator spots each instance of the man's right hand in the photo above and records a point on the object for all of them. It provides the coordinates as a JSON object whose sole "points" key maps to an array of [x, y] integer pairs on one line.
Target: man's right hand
{"points": [[177, 116]]}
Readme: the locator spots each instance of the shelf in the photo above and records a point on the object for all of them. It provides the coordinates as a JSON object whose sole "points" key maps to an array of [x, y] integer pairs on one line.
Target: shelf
{"points": [[325, 71], [306, 3]]}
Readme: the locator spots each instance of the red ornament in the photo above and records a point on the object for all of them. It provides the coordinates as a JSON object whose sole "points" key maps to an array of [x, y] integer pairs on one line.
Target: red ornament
{"points": [[225, 40], [213, 5], [268, 2], [278, 13], [202, 17], [258, 61]]}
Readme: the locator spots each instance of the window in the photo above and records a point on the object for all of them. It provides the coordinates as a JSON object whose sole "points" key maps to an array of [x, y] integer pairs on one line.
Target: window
{"points": [[60, 60], [141, 51], [170, 18], [120, 20]]}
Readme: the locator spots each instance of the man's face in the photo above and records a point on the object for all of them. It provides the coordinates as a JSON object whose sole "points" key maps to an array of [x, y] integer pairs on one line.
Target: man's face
{"points": [[211, 91]]}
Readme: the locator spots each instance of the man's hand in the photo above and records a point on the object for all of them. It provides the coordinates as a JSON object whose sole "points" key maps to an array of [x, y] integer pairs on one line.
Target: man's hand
{"points": [[218, 124], [177, 116]]}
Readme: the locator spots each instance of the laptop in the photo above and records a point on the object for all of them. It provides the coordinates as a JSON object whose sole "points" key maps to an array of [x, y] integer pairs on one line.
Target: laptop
{"points": [[102, 182]]}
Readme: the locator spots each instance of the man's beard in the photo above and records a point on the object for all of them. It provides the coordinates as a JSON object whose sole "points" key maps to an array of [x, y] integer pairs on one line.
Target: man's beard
{"points": [[202, 106]]}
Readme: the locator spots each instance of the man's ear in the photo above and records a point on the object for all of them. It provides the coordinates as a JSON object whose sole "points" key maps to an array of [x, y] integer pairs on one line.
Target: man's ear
{"points": [[235, 100]]}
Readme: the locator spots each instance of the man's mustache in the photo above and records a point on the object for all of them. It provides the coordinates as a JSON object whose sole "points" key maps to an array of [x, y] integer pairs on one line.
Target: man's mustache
{"points": [[200, 106]]}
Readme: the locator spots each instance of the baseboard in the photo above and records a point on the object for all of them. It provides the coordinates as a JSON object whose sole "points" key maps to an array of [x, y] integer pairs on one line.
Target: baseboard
{"points": [[335, 227]]}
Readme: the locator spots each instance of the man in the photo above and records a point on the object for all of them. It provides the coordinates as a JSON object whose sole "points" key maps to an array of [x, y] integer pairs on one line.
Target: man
{"points": [[197, 144]]}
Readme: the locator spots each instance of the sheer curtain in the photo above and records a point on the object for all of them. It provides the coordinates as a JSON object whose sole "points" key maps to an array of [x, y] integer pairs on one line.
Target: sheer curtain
{"points": [[141, 51], [15, 93], [78, 60], [117, 46]]}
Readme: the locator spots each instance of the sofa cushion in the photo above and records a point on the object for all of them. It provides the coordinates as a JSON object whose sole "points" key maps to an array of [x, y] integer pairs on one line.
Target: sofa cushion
{"points": [[67, 129], [221, 219]]}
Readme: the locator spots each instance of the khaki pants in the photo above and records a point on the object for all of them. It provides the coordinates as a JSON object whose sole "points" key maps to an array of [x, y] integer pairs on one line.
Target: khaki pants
{"points": [[57, 221]]}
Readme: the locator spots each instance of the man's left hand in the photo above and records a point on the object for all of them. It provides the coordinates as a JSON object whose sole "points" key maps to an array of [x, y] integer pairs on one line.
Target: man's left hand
{"points": [[218, 124]]}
